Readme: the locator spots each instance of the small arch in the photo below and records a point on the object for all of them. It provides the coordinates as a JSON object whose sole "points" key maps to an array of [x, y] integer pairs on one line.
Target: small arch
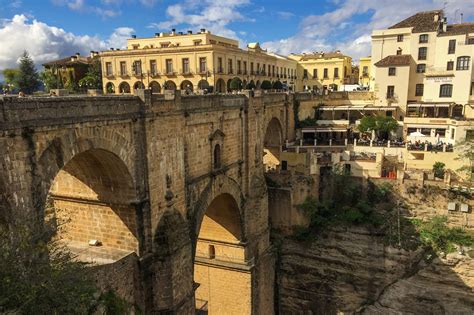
{"points": [[155, 87], [170, 85], [110, 88], [124, 87], [203, 84], [187, 86], [217, 156], [220, 86], [138, 86], [272, 144]]}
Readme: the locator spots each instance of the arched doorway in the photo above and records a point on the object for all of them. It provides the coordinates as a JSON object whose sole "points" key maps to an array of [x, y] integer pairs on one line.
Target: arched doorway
{"points": [[155, 87], [93, 195], [170, 85], [203, 84], [110, 88], [187, 86], [138, 86], [272, 144], [220, 86], [218, 247], [124, 87]]}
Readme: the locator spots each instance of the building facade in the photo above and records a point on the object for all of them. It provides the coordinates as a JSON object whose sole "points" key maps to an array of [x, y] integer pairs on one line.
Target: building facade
{"points": [[191, 62], [365, 73]]}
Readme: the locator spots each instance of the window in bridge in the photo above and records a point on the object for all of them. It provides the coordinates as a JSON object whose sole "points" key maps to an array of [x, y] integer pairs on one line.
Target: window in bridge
{"points": [[217, 156], [212, 252]]}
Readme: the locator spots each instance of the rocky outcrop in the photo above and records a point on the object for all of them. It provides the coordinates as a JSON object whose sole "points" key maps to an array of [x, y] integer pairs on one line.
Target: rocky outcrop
{"points": [[352, 271]]}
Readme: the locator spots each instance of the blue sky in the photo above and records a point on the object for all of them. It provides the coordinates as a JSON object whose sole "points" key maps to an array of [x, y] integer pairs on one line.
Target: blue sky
{"points": [[51, 29]]}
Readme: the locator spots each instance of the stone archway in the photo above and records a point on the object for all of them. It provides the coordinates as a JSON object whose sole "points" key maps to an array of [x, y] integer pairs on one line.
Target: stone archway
{"points": [[124, 88], [187, 85], [272, 144], [220, 86], [110, 88], [155, 87], [138, 86], [170, 85], [203, 84]]}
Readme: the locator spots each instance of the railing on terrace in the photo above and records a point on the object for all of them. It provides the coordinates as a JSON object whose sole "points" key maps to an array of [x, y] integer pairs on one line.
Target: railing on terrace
{"points": [[429, 147]]}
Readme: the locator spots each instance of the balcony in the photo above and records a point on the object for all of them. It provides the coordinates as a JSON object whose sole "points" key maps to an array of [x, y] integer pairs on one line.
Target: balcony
{"points": [[154, 74], [124, 74], [109, 75], [185, 72], [220, 70], [137, 73], [170, 73]]}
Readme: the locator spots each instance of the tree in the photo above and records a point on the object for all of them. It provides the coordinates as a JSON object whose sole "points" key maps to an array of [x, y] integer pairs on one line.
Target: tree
{"points": [[382, 125], [28, 78], [266, 85], [50, 80], [93, 78], [10, 76], [235, 84], [466, 153], [277, 85], [438, 169], [250, 85]]}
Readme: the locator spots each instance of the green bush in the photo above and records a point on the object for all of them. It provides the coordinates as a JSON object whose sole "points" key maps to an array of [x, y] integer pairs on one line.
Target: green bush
{"points": [[250, 86], [235, 84], [277, 85], [438, 169], [266, 85]]}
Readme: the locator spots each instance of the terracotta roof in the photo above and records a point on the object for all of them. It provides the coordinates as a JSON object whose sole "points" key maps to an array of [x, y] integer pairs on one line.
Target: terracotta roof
{"points": [[421, 22], [394, 60], [458, 29], [68, 61], [323, 55]]}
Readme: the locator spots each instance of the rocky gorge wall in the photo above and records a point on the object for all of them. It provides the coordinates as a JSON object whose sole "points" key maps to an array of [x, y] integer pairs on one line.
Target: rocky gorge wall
{"points": [[351, 271]]}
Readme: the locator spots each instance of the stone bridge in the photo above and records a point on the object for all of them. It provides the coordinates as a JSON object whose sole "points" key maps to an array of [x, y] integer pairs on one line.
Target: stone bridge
{"points": [[173, 190]]}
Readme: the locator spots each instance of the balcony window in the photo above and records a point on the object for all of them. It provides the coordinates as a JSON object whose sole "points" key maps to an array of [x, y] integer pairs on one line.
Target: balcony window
{"points": [[315, 73], [419, 89], [108, 68], [399, 38], [202, 64], [423, 38], [230, 66], [305, 74], [169, 66], [185, 62], [219, 65], [450, 65], [463, 63], [390, 91], [421, 68], [452, 46], [336, 72], [422, 53], [239, 67], [392, 71], [137, 67], [153, 67], [326, 73], [446, 90], [245, 67], [123, 68]]}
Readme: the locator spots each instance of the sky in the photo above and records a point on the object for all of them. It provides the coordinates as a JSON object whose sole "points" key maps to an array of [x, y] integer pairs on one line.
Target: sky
{"points": [[53, 29]]}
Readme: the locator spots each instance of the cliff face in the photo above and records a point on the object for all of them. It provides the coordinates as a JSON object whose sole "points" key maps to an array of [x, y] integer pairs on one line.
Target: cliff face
{"points": [[352, 271]]}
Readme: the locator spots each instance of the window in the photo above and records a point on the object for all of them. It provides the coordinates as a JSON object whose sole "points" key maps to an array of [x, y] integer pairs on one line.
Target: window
{"points": [[426, 131], [325, 73], [185, 65], [153, 67], [423, 38], [269, 70], [315, 73], [251, 68], [202, 64], [258, 68], [305, 73], [217, 156], [123, 68], [108, 68], [419, 89], [230, 66], [273, 71], [450, 65], [284, 165], [390, 91], [365, 70], [472, 89], [422, 52], [463, 63], [245, 67], [137, 67], [392, 71], [470, 41], [239, 67], [169, 66], [421, 68], [212, 252], [400, 38], [399, 52], [446, 90], [219, 65], [452, 46], [336, 72]]}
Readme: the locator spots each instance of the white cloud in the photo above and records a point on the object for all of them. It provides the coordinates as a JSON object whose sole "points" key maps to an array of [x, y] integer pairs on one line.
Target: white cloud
{"points": [[105, 9], [285, 15], [337, 29], [214, 15], [46, 43]]}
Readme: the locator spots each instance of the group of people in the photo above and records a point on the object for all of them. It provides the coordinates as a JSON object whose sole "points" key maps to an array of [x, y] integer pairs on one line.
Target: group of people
{"points": [[420, 146]]}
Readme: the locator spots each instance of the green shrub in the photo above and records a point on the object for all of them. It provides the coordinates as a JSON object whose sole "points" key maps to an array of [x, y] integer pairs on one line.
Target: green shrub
{"points": [[235, 84], [266, 85], [438, 169], [277, 85]]}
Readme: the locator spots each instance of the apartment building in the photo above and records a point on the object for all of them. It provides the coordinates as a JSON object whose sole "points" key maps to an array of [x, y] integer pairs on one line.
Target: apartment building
{"points": [[424, 66], [191, 61], [323, 71], [365, 72]]}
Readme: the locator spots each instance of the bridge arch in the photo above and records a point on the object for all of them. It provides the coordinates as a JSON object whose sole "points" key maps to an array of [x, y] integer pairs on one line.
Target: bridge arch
{"points": [[272, 144]]}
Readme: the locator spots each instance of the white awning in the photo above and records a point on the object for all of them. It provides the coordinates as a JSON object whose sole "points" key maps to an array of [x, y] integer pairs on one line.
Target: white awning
{"points": [[330, 130], [380, 108], [429, 105]]}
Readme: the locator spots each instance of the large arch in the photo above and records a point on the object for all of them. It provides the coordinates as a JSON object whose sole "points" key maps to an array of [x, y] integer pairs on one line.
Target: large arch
{"points": [[272, 144], [110, 88], [124, 87], [170, 85], [155, 87], [220, 86], [203, 84], [138, 85], [94, 195], [187, 85]]}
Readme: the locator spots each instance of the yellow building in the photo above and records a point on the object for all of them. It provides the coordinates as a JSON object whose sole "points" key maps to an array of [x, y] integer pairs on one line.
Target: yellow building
{"points": [[191, 62], [323, 71], [424, 66], [365, 73]]}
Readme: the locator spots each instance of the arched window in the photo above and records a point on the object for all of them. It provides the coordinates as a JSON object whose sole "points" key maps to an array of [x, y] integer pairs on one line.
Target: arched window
{"points": [[446, 90], [217, 156], [463, 63]]}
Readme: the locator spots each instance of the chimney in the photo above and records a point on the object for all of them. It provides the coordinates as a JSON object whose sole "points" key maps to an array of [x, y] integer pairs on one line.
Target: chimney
{"points": [[436, 17], [445, 25], [93, 54], [203, 30], [173, 31], [78, 54], [190, 32], [134, 36], [162, 34], [462, 16], [157, 34]]}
